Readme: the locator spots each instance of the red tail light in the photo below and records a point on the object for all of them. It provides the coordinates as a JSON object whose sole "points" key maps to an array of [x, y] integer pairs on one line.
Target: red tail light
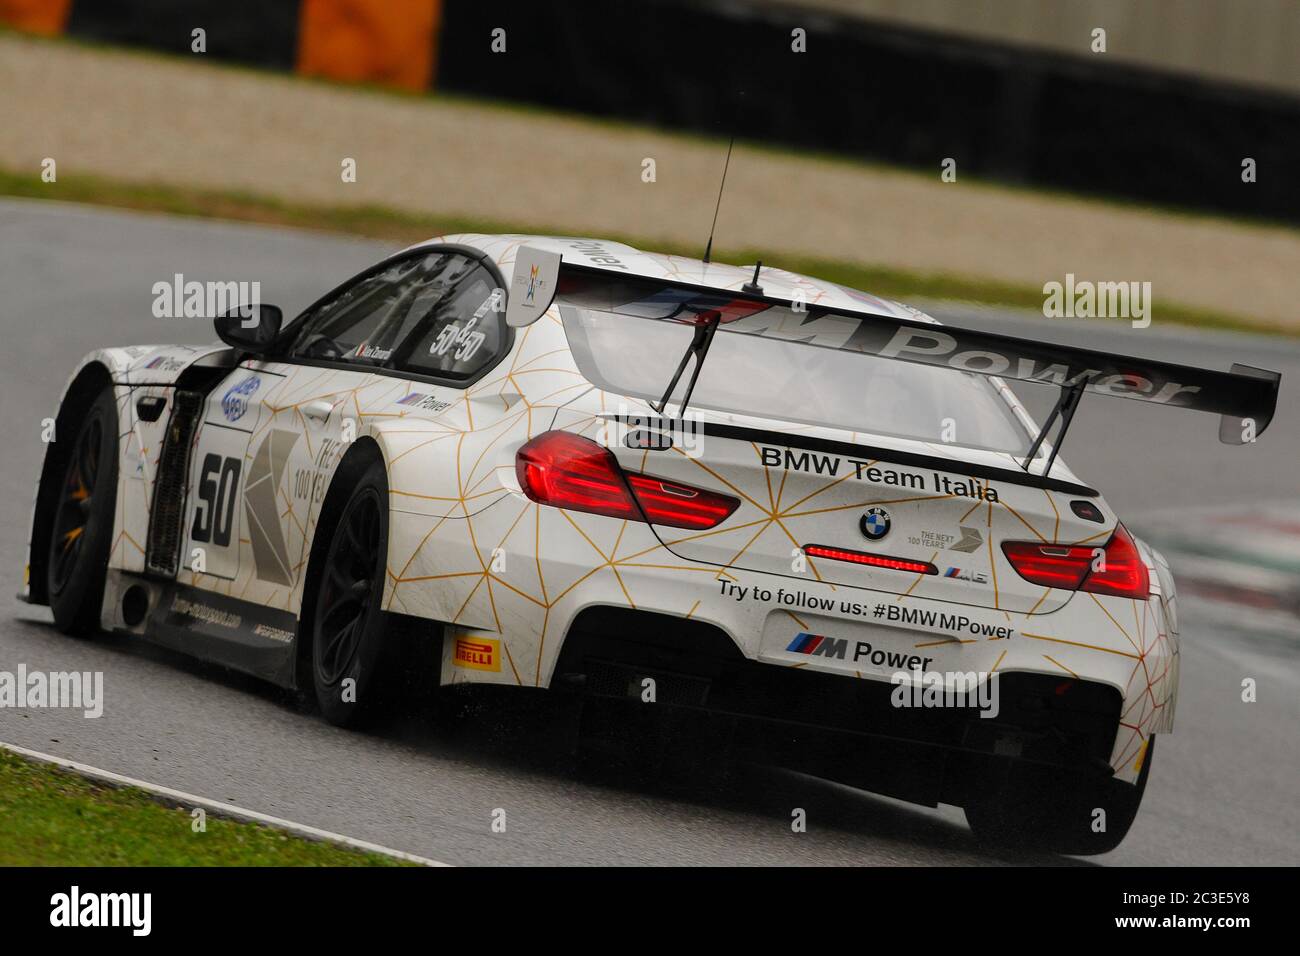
{"points": [[1120, 572], [678, 505], [568, 471]]}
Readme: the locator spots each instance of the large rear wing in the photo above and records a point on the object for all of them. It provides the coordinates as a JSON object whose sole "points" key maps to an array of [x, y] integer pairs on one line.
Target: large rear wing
{"points": [[1244, 396]]}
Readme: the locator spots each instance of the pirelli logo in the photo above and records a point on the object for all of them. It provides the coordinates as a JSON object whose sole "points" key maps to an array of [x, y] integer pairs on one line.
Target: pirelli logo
{"points": [[477, 653]]}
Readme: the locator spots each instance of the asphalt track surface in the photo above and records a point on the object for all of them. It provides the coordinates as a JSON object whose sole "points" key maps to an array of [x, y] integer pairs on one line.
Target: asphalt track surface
{"points": [[1222, 789]]}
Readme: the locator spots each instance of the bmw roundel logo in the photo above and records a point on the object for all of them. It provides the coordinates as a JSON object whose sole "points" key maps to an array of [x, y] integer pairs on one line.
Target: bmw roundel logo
{"points": [[875, 523]]}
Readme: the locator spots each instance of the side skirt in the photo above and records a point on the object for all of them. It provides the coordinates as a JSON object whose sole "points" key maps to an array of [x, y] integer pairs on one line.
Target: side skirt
{"points": [[241, 635]]}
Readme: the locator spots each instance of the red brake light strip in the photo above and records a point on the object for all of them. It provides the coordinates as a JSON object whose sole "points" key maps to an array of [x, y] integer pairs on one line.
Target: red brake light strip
{"points": [[871, 560]]}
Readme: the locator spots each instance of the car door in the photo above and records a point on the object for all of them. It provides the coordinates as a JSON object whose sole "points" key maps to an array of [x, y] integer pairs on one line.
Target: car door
{"points": [[216, 520]]}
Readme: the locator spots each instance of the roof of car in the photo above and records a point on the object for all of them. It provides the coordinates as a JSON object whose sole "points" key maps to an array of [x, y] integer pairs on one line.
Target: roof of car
{"points": [[622, 259]]}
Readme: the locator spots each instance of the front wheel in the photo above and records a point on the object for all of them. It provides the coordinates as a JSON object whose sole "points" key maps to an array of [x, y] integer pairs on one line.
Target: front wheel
{"points": [[1039, 809], [347, 640], [82, 529]]}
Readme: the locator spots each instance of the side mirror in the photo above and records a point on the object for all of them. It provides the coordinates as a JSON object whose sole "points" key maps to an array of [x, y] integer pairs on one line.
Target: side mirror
{"points": [[252, 328]]}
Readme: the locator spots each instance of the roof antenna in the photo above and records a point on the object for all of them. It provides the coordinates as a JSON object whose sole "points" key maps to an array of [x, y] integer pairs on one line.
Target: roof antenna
{"points": [[708, 249]]}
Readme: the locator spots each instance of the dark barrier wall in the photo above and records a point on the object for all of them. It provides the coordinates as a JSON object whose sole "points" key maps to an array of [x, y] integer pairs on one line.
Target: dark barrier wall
{"points": [[879, 92], [1083, 124], [258, 32]]}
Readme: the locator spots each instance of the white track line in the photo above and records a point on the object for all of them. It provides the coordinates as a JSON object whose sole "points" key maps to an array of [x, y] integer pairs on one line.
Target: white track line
{"points": [[223, 809]]}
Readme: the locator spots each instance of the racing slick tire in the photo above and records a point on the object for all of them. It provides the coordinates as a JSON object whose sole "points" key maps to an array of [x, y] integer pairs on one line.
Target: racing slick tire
{"points": [[1033, 808], [81, 529], [348, 651]]}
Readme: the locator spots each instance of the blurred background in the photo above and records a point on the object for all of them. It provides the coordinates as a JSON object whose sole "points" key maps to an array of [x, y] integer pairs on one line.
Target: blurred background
{"points": [[1160, 110], [1110, 139]]}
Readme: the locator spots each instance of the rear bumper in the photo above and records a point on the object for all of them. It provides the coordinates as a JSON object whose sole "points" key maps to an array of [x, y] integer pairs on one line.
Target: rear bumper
{"points": [[533, 615], [845, 729]]}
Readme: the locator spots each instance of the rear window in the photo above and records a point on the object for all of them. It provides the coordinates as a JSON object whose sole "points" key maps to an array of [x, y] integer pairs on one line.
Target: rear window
{"points": [[792, 372]]}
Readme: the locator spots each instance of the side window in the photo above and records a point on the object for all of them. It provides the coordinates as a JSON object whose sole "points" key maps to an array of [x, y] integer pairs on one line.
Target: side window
{"points": [[436, 314], [466, 328]]}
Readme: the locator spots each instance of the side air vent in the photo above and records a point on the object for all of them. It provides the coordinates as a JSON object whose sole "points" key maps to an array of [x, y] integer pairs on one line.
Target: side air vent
{"points": [[168, 506]]}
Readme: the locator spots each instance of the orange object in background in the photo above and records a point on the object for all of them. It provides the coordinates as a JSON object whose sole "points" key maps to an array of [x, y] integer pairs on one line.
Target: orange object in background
{"points": [[390, 42], [46, 17]]}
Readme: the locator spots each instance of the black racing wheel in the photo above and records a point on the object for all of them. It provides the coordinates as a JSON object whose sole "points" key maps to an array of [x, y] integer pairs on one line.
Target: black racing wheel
{"points": [[82, 527], [1040, 809], [348, 646]]}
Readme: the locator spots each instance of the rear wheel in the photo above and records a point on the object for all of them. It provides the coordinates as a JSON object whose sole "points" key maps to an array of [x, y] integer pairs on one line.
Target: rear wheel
{"points": [[1041, 809], [348, 649], [82, 527]]}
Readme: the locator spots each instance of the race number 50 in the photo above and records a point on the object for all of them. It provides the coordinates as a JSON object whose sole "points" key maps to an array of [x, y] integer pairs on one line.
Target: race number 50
{"points": [[214, 512]]}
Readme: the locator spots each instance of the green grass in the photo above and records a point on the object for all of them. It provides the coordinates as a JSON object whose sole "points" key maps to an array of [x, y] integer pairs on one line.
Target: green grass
{"points": [[52, 817], [381, 222]]}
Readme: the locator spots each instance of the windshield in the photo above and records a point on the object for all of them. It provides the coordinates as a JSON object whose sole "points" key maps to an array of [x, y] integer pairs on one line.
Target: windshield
{"points": [[780, 374]]}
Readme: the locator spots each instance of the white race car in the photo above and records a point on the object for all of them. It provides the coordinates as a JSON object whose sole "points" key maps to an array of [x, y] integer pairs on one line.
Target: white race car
{"points": [[813, 515]]}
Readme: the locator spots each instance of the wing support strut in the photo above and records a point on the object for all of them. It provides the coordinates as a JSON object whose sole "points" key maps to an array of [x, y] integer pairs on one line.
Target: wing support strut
{"points": [[1064, 409], [699, 348]]}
